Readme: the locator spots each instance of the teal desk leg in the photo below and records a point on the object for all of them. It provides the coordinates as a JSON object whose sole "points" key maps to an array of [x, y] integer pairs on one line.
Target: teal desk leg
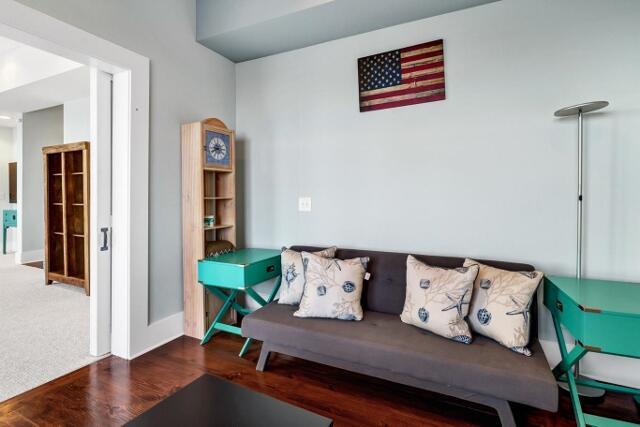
{"points": [[4, 239], [564, 369], [262, 302], [223, 310]]}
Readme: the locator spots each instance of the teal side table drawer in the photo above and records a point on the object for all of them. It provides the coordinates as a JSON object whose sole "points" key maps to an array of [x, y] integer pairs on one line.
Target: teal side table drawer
{"points": [[584, 312], [10, 218], [241, 269]]}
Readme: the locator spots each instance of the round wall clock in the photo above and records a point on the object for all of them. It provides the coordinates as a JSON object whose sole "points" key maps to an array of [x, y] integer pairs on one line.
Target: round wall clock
{"points": [[217, 149]]}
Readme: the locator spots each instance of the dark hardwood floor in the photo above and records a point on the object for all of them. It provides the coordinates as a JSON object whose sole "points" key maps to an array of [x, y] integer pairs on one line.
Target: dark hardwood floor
{"points": [[113, 391], [36, 264]]}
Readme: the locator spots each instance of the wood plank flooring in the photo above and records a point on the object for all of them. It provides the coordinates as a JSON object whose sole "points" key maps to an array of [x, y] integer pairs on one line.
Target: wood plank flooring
{"points": [[113, 391]]}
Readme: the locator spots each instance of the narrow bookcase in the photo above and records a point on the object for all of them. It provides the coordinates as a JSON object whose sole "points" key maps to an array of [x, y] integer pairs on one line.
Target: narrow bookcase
{"points": [[66, 214], [206, 190]]}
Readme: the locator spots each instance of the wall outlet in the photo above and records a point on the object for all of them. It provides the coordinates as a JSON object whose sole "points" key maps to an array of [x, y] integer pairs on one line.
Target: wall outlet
{"points": [[304, 204]]}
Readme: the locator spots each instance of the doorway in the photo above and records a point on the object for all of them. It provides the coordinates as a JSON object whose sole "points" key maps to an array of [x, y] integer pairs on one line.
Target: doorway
{"points": [[53, 101]]}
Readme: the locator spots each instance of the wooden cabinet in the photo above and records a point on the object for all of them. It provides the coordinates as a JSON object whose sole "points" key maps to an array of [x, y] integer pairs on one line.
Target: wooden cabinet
{"points": [[13, 182], [208, 191], [66, 206]]}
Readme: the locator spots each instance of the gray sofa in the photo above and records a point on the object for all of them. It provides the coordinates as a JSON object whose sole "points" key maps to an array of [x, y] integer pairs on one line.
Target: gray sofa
{"points": [[382, 346]]}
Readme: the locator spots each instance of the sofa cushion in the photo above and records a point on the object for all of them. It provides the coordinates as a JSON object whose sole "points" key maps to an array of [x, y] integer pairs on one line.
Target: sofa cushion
{"points": [[438, 299], [293, 277], [501, 304], [382, 341], [333, 287]]}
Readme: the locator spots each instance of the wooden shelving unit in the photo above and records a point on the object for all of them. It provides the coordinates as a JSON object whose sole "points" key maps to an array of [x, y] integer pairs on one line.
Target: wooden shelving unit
{"points": [[66, 201], [206, 190]]}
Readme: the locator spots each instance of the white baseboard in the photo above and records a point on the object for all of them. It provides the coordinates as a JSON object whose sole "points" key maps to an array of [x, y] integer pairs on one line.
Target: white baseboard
{"points": [[159, 333], [29, 256]]}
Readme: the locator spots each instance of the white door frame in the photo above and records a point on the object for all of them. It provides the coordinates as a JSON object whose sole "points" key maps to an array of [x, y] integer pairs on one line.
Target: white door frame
{"points": [[131, 333]]}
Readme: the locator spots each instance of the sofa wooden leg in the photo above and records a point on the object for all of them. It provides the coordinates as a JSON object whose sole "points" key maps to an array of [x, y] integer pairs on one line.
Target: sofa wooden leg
{"points": [[264, 358], [504, 412]]}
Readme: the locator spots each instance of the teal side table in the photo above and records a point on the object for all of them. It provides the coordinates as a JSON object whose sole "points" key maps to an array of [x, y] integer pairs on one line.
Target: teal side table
{"points": [[226, 275], [604, 317], [9, 219]]}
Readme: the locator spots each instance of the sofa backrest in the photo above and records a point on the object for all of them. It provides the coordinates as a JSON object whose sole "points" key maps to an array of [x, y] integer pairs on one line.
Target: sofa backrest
{"points": [[385, 290]]}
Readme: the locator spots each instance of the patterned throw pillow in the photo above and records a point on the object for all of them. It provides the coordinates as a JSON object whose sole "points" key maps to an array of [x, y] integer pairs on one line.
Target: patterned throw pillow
{"points": [[333, 287], [501, 303], [293, 274], [438, 299]]}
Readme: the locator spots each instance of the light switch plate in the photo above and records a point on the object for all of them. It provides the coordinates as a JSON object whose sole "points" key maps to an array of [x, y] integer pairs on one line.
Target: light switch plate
{"points": [[304, 204]]}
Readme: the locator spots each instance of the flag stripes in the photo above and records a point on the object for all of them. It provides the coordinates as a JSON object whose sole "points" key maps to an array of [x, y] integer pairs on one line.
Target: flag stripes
{"points": [[404, 77]]}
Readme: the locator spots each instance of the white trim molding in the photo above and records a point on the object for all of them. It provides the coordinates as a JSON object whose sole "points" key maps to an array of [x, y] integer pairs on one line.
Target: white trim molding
{"points": [[131, 333]]}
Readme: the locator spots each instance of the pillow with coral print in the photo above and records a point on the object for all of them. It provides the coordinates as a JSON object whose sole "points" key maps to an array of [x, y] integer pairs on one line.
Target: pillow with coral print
{"points": [[438, 299], [293, 274], [501, 303], [333, 287]]}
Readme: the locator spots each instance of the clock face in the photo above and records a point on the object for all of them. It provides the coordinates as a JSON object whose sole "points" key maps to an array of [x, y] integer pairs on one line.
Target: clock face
{"points": [[217, 149]]}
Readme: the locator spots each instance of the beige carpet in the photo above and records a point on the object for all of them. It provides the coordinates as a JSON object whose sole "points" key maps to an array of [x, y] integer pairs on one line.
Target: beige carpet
{"points": [[44, 330]]}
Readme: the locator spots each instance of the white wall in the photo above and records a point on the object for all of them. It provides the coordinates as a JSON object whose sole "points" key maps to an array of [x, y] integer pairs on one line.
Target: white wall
{"points": [[188, 83], [489, 172], [7, 154], [76, 120], [39, 129]]}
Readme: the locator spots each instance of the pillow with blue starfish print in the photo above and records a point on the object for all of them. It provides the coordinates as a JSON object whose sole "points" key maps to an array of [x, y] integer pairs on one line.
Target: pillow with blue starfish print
{"points": [[501, 304], [333, 287], [438, 299], [293, 277]]}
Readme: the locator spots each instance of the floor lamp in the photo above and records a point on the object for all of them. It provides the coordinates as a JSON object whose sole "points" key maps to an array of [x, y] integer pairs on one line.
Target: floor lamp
{"points": [[579, 110]]}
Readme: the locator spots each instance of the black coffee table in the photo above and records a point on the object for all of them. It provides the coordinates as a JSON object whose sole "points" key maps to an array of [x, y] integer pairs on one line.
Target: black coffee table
{"points": [[211, 401]]}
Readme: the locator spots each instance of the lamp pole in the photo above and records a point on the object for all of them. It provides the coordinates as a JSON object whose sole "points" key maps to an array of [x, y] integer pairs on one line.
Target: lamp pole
{"points": [[580, 110]]}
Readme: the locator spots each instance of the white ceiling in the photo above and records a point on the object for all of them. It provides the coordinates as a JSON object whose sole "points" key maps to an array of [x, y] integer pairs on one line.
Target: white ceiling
{"points": [[242, 30], [32, 79]]}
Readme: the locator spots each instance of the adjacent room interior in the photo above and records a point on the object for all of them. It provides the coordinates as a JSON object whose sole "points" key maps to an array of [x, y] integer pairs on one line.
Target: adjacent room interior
{"points": [[44, 106], [320, 212]]}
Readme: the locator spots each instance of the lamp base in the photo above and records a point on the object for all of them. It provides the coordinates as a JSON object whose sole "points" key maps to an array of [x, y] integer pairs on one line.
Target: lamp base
{"points": [[584, 391]]}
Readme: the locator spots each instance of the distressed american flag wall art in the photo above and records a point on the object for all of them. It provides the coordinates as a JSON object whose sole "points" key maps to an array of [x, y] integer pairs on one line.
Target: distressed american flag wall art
{"points": [[408, 76]]}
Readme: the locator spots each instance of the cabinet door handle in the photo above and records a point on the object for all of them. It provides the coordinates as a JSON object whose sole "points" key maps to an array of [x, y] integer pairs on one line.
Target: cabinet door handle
{"points": [[105, 239], [271, 268]]}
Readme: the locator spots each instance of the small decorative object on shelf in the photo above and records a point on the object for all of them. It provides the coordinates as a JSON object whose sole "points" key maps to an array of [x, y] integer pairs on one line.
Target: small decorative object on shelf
{"points": [[66, 214], [209, 221], [219, 247], [208, 212]]}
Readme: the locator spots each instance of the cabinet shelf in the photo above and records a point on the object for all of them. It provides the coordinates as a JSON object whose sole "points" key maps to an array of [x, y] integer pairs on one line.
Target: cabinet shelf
{"points": [[216, 170], [218, 227], [219, 198]]}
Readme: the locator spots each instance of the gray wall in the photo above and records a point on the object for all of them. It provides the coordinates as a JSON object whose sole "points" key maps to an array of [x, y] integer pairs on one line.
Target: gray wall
{"points": [[39, 129], [489, 172], [188, 83]]}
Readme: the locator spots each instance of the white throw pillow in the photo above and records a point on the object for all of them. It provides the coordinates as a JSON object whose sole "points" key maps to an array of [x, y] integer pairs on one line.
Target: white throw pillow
{"points": [[333, 287], [438, 299], [293, 274], [501, 303]]}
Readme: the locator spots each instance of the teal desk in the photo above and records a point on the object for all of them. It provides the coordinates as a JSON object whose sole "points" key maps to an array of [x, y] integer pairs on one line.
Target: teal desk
{"points": [[9, 219], [226, 275], [604, 317]]}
